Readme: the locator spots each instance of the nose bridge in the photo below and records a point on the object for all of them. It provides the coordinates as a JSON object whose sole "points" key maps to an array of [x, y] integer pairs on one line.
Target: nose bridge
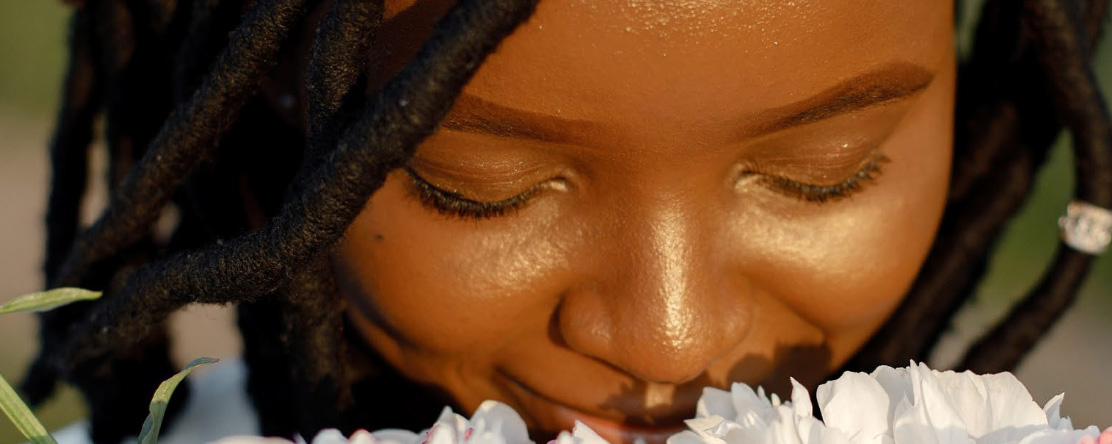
{"points": [[664, 308], [659, 285]]}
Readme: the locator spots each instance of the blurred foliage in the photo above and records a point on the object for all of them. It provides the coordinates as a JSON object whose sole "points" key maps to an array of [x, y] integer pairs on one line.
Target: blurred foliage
{"points": [[32, 55], [63, 409], [33, 35]]}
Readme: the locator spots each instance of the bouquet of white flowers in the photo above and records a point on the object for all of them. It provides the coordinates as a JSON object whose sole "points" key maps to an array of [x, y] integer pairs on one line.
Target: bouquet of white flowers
{"points": [[908, 405]]}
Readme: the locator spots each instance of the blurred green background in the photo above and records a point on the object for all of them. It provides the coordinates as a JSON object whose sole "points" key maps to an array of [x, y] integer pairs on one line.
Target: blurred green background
{"points": [[1075, 358], [32, 43], [32, 56]]}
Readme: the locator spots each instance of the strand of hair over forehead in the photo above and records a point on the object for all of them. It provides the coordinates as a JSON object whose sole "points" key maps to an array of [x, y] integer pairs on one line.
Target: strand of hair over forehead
{"points": [[1009, 132], [408, 109]]}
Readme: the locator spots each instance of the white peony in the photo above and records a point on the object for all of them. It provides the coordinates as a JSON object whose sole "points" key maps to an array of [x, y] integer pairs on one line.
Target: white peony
{"points": [[912, 405], [330, 436], [745, 416], [492, 423]]}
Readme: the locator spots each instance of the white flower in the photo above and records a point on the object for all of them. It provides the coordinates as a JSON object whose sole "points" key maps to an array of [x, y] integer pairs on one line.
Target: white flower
{"points": [[912, 405], [330, 436], [250, 440], [745, 416], [492, 423]]}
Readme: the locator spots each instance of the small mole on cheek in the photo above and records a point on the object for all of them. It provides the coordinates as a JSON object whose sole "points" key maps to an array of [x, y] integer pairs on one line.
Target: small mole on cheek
{"points": [[379, 237]]}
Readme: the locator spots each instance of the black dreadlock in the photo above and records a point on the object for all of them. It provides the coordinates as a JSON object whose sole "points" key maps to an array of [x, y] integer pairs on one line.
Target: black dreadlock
{"points": [[151, 68], [329, 194], [1029, 75]]}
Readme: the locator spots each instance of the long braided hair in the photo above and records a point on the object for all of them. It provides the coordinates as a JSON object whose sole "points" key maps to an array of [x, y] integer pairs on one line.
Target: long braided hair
{"points": [[176, 83]]}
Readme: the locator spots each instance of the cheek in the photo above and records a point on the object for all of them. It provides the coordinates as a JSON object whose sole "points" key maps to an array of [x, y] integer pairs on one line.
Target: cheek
{"points": [[844, 266], [443, 287]]}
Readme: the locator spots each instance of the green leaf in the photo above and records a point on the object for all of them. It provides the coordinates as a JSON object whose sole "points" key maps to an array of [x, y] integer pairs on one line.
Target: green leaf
{"points": [[151, 427], [21, 415], [48, 300]]}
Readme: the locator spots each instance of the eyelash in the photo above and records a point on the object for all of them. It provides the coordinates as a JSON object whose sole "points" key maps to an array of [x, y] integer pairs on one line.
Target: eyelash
{"points": [[453, 204], [449, 203], [826, 193]]}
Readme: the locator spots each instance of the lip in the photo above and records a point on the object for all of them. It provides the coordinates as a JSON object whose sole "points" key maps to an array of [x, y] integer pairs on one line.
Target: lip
{"points": [[552, 415]]}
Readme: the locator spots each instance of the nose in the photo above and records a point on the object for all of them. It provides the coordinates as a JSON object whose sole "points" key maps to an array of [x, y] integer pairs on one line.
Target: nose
{"points": [[662, 300]]}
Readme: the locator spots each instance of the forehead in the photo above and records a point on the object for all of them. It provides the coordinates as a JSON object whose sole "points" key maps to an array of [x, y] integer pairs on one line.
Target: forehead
{"points": [[671, 60]]}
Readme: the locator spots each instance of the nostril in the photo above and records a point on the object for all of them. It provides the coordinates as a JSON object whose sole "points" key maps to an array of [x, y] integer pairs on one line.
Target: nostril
{"points": [[583, 323]]}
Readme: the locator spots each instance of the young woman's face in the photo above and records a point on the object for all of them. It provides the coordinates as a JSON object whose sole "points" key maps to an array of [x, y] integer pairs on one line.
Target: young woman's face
{"points": [[635, 199]]}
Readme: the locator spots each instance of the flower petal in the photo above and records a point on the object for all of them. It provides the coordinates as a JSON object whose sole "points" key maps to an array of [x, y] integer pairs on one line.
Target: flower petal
{"points": [[330, 436], [928, 417], [396, 436], [500, 419], [687, 437], [857, 405], [801, 400], [716, 402], [585, 435], [363, 437], [1054, 436]]}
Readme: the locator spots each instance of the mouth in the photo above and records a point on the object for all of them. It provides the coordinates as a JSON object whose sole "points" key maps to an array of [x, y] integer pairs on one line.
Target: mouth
{"points": [[552, 416]]}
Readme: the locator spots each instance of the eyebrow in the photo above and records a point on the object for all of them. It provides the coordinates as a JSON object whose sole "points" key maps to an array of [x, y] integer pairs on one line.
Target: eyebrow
{"points": [[477, 115], [886, 84]]}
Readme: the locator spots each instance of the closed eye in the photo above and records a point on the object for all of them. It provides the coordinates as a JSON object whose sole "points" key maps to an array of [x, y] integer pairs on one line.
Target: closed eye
{"points": [[807, 192], [451, 203]]}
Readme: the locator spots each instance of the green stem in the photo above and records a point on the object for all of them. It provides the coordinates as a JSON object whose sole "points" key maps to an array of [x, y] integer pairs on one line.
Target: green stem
{"points": [[21, 415]]}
